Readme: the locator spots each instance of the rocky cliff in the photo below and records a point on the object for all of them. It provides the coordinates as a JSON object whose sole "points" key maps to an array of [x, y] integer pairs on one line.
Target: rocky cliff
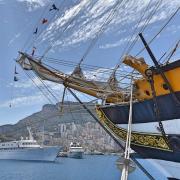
{"points": [[49, 117]]}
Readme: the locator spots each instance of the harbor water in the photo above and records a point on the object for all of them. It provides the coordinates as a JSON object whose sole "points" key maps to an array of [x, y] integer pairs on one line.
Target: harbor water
{"points": [[92, 167]]}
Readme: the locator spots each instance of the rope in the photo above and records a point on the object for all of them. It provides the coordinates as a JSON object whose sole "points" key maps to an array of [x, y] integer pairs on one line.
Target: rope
{"points": [[28, 75], [142, 29], [165, 58], [42, 14], [102, 29], [60, 35], [87, 67], [145, 25], [49, 21], [173, 52], [50, 91], [163, 27], [12, 92]]}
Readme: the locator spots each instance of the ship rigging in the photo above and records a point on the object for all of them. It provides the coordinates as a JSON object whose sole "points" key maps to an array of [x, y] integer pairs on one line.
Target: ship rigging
{"points": [[156, 89]]}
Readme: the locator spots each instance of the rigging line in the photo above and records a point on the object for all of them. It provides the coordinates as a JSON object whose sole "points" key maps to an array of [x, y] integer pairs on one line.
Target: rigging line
{"points": [[171, 54], [102, 29], [58, 70], [42, 14], [142, 29], [123, 76], [127, 75], [49, 21], [101, 71], [163, 27], [107, 91], [69, 106], [72, 63], [106, 70], [87, 97], [50, 91], [12, 92], [146, 23], [151, 15], [61, 34], [42, 89], [28, 75], [165, 56], [137, 26]]}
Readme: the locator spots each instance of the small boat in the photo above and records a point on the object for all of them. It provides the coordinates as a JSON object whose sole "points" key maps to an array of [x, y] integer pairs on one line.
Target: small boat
{"points": [[75, 150], [28, 150]]}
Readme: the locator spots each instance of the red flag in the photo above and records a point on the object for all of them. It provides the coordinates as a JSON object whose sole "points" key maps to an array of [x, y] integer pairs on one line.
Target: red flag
{"points": [[44, 21]]}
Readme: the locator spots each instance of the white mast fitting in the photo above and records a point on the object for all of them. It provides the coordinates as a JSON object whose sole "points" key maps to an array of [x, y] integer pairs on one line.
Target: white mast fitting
{"points": [[125, 170]]}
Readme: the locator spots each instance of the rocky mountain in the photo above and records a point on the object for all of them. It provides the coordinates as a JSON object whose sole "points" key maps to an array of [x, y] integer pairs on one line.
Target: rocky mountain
{"points": [[48, 118]]}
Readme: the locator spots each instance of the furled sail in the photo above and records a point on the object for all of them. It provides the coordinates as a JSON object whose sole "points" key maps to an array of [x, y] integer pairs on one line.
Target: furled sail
{"points": [[78, 72], [76, 81]]}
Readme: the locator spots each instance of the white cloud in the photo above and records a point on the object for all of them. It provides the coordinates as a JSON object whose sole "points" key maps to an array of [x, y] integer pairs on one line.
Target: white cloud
{"points": [[115, 44], [93, 15], [23, 101], [14, 38], [34, 4], [173, 28], [25, 93]]}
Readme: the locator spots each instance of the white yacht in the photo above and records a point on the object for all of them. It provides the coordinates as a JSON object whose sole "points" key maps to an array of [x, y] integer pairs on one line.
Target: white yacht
{"points": [[75, 150], [27, 149]]}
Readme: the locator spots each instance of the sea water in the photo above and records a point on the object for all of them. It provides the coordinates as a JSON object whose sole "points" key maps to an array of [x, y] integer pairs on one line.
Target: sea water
{"points": [[89, 168]]}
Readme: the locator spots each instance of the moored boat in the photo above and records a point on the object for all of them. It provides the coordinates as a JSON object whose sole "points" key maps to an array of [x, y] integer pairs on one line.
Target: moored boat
{"points": [[28, 150], [75, 150]]}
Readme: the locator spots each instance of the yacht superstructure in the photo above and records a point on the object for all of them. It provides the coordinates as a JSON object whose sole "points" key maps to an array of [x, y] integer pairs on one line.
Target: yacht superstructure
{"points": [[27, 149], [75, 150]]}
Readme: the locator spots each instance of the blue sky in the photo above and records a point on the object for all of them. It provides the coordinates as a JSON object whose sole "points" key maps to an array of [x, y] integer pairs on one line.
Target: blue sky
{"points": [[20, 17]]}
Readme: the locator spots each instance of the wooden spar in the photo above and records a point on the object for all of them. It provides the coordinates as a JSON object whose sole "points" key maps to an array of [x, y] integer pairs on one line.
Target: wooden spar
{"points": [[93, 88], [62, 102], [138, 64], [149, 51]]}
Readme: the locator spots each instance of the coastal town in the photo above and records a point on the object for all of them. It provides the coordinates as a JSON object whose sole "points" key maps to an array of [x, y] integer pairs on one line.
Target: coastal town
{"points": [[90, 135]]}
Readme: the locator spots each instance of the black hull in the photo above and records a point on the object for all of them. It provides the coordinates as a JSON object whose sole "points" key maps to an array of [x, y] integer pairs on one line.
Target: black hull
{"points": [[143, 112], [147, 145], [151, 153]]}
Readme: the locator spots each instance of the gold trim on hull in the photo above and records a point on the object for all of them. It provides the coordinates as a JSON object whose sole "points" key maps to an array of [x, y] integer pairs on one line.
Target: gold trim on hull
{"points": [[137, 138]]}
